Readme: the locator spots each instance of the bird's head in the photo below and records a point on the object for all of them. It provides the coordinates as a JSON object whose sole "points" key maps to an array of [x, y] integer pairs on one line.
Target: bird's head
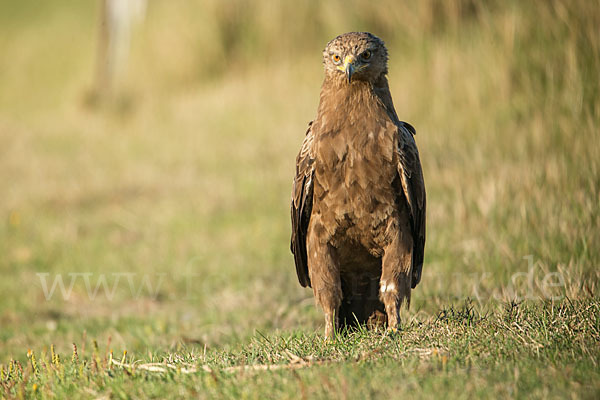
{"points": [[355, 56]]}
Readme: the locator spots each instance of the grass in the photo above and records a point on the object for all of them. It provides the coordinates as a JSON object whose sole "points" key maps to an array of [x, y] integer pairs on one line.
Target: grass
{"points": [[512, 352], [175, 194]]}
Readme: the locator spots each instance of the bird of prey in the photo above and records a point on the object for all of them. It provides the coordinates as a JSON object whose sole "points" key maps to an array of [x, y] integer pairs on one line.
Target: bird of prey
{"points": [[358, 197]]}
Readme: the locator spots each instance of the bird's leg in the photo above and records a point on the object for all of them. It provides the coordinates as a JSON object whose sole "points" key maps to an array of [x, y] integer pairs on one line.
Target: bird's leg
{"points": [[326, 283], [394, 285]]}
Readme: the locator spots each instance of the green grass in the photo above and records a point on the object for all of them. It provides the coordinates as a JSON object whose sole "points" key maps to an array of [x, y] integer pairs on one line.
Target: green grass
{"points": [[541, 350], [179, 184], [461, 353]]}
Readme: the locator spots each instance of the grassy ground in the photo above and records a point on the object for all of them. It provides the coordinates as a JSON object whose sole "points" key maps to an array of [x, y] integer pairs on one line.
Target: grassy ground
{"points": [[166, 206]]}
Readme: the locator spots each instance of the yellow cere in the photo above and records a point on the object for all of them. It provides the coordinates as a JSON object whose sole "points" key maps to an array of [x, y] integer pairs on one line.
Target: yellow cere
{"points": [[347, 60]]}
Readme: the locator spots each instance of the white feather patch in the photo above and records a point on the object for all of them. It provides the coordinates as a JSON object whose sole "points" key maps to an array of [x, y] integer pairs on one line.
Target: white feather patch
{"points": [[387, 287]]}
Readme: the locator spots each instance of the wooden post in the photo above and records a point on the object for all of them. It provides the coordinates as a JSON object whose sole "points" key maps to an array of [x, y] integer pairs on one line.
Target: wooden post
{"points": [[116, 20]]}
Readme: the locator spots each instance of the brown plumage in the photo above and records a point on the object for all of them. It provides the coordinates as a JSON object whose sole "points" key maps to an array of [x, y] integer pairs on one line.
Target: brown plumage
{"points": [[358, 199]]}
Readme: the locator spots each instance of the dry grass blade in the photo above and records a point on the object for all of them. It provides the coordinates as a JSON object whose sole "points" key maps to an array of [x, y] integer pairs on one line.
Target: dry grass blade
{"points": [[160, 367], [295, 363]]}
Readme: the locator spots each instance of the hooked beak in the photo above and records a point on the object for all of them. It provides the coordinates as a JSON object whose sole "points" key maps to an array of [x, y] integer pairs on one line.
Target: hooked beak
{"points": [[348, 67]]}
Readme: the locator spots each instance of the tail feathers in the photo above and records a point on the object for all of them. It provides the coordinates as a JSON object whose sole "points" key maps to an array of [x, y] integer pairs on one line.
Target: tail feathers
{"points": [[361, 306]]}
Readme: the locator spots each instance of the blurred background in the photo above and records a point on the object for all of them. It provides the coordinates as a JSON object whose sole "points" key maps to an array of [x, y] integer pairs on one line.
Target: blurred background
{"points": [[147, 163]]}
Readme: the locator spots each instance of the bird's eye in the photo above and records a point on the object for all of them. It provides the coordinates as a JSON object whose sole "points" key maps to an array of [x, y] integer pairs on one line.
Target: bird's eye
{"points": [[366, 55], [336, 59]]}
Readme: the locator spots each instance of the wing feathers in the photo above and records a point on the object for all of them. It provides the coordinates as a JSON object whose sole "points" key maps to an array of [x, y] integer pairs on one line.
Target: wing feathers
{"points": [[301, 207], [413, 186]]}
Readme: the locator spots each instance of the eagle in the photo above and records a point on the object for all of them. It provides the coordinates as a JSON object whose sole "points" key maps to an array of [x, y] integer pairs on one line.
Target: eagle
{"points": [[358, 196]]}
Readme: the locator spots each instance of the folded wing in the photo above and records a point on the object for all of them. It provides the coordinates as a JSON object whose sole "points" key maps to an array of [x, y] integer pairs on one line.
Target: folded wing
{"points": [[302, 200], [413, 187]]}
